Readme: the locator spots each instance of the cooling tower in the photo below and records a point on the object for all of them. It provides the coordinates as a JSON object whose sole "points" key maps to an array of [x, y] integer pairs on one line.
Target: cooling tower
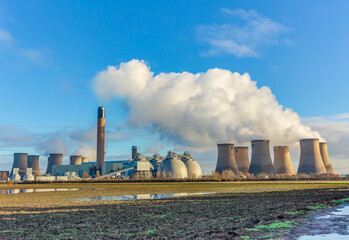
{"points": [[134, 152], [260, 159], [242, 159], [310, 160], [100, 136], [75, 160], [325, 158], [226, 158], [53, 159], [20, 162], [84, 159], [33, 163], [282, 161]]}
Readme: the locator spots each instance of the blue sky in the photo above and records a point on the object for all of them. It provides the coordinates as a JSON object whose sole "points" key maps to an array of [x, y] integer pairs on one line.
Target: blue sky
{"points": [[51, 50]]}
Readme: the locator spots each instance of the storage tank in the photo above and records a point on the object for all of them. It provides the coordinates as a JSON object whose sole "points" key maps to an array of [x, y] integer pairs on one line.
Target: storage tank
{"points": [[100, 137], [33, 163], [75, 160], [325, 158], [53, 160], [310, 160], [173, 167], [261, 159], [193, 168], [242, 159], [20, 161], [84, 160], [282, 161], [226, 158]]}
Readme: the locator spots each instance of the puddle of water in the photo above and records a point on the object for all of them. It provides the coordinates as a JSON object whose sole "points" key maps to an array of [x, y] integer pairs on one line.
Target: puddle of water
{"points": [[140, 196], [331, 225], [30, 190]]}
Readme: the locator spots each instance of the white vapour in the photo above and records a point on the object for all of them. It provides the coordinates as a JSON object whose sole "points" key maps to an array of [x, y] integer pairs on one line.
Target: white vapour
{"points": [[200, 109]]}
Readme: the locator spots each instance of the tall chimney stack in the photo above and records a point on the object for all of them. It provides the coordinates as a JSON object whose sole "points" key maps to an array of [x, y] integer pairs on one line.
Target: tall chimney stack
{"points": [[325, 158], [311, 160], [261, 159], [226, 158], [242, 159], [134, 152], [282, 161], [100, 136]]}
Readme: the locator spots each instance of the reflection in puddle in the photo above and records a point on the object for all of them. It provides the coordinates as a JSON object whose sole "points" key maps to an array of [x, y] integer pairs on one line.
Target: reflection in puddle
{"points": [[140, 196], [333, 225], [30, 190]]}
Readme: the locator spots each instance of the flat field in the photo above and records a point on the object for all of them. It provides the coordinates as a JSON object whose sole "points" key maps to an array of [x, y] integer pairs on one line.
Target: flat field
{"points": [[241, 210]]}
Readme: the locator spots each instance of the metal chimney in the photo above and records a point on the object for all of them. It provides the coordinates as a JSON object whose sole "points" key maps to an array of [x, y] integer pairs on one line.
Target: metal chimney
{"points": [[100, 136], [84, 159], [242, 159], [75, 160], [53, 160], [20, 162], [282, 161], [33, 163], [226, 158], [134, 152], [325, 158], [310, 160], [261, 159]]}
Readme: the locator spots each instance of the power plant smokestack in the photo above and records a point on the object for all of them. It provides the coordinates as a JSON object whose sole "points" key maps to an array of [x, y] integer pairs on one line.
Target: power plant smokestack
{"points": [[260, 159], [310, 160], [242, 159], [325, 158], [282, 161], [84, 160], [100, 136], [53, 160], [226, 158], [33, 163], [75, 160], [20, 162], [134, 152]]}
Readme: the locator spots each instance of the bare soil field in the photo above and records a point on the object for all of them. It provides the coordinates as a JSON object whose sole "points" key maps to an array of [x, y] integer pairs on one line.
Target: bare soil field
{"points": [[236, 210]]}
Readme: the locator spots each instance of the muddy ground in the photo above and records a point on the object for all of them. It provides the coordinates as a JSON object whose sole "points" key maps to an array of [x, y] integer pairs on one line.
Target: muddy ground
{"points": [[264, 214]]}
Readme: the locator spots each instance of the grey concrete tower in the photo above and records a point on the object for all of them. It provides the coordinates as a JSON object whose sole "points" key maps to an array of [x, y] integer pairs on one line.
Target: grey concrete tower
{"points": [[311, 160], [134, 152], [325, 158], [282, 161], [261, 159], [100, 137], [75, 160], [20, 161], [53, 160], [226, 158], [242, 159], [33, 162]]}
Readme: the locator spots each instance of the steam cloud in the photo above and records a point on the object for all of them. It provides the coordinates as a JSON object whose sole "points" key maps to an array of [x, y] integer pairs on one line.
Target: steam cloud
{"points": [[201, 109]]}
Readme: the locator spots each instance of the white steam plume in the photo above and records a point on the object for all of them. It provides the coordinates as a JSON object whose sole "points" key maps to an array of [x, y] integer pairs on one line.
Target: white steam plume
{"points": [[200, 109]]}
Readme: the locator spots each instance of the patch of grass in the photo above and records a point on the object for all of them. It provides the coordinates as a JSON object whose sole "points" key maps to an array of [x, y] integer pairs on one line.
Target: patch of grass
{"points": [[343, 200], [10, 231], [300, 212], [317, 207], [152, 231], [273, 226], [244, 237]]}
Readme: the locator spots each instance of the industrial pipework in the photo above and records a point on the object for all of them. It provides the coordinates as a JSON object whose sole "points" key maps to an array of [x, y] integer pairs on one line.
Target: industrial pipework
{"points": [[261, 159], [100, 137], [226, 158], [282, 161], [311, 160]]}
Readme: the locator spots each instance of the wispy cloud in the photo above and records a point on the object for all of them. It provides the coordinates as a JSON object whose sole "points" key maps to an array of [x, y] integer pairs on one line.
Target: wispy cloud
{"points": [[5, 36], [243, 36]]}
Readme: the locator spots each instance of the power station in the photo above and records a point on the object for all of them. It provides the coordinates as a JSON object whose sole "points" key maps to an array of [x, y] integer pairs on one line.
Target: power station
{"points": [[314, 159]]}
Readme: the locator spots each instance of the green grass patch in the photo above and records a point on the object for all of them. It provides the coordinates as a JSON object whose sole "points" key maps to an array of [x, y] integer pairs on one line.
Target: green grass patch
{"points": [[343, 200], [300, 212], [317, 207], [152, 231], [273, 226]]}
